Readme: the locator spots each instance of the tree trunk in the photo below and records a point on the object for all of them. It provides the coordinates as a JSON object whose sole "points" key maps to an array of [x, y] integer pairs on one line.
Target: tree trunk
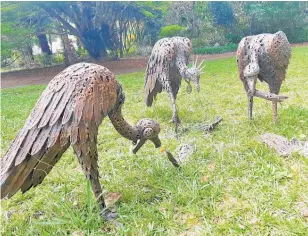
{"points": [[30, 52], [50, 41], [121, 40], [27, 56], [79, 43], [94, 43], [68, 50], [44, 44]]}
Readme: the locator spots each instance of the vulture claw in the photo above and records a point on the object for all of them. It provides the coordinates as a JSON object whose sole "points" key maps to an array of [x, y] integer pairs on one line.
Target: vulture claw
{"points": [[109, 214]]}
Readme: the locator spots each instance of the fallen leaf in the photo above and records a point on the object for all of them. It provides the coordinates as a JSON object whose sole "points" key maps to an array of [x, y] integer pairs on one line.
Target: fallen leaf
{"points": [[241, 226], [112, 198], [212, 166], [304, 211], [204, 179], [162, 149], [162, 209], [253, 221], [78, 233]]}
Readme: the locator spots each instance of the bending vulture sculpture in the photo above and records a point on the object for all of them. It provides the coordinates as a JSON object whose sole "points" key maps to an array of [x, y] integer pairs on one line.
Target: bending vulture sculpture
{"points": [[166, 67], [69, 112], [266, 57]]}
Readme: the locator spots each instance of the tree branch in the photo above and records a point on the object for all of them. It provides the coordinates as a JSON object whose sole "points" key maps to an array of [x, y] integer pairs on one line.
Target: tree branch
{"points": [[67, 25]]}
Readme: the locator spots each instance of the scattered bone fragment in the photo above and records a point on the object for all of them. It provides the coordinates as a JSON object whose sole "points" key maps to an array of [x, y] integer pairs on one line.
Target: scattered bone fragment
{"points": [[284, 147], [183, 152]]}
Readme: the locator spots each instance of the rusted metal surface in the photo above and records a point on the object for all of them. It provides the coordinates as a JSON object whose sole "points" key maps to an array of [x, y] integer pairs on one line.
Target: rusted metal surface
{"points": [[69, 112], [167, 66], [264, 57]]}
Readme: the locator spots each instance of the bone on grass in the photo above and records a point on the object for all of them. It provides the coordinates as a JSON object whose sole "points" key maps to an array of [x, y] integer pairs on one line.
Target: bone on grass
{"points": [[270, 96]]}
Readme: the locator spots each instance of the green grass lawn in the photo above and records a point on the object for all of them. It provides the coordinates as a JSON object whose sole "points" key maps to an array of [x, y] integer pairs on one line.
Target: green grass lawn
{"points": [[232, 184]]}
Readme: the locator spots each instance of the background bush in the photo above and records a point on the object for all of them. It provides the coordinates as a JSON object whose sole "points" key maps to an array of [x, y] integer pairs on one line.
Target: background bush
{"points": [[132, 28], [171, 30], [216, 50]]}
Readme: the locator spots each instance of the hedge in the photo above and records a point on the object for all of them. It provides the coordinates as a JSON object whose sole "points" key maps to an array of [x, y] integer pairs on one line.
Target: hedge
{"points": [[216, 50]]}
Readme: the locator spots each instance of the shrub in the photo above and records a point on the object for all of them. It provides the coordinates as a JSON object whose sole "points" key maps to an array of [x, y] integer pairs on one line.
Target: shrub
{"points": [[81, 52], [171, 30], [58, 58], [144, 50], [216, 50], [44, 59]]}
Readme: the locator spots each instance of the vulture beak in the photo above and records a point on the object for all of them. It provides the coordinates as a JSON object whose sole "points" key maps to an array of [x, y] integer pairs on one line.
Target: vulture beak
{"points": [[142, 141], [251, 83], [156, 142], [139, 145]]}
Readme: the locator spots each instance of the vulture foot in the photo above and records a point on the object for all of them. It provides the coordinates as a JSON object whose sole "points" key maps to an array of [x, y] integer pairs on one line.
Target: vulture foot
{"points": [[109, 213], [176, 120]]}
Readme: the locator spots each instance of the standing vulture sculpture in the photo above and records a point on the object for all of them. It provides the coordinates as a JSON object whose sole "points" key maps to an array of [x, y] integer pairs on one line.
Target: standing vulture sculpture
{"points": [[69, 112], [264, 57], [166, 67]]}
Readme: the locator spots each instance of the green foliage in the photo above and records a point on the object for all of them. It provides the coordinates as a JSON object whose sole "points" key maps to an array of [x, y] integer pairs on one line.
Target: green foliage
{"points": [[106, 27], [222, 12], [215, 50], [82, 52], [13, 37], [58, 58], [270, 17], [49, 60], [234, 37], [171, 30], [153, 21], [190, 15], [44, 59], [232, 185]]}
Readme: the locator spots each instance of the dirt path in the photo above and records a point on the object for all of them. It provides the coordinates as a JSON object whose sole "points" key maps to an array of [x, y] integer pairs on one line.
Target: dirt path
{"points": [[123, 66], [44, 75]]}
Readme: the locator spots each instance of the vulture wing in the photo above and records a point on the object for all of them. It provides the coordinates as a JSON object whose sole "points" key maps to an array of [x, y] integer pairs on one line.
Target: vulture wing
{"points": [[160, 61], [68, 112], [279, 50]]}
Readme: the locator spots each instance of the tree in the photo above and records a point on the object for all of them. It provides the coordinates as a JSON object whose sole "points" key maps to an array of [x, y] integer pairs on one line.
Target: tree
{"points": [[270, 17], [187, 14], [68, 50], [16, 41], [100, 26], [222, 13]]}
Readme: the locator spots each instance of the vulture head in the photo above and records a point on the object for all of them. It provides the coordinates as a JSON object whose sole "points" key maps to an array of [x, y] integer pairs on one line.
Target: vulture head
{"points": [[148, 130]]}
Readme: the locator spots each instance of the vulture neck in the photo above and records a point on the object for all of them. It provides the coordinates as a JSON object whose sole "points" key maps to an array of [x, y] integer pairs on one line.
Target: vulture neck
{"points": [[125, 129], [183, 69]]}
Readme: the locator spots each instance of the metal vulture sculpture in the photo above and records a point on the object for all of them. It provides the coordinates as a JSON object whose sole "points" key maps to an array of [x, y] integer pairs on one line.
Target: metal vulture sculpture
{"points": [[69, 112], [266, 57], [166, 67]]}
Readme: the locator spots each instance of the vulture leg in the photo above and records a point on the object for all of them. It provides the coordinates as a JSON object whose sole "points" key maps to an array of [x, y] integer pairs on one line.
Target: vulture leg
{"points": [[274, 86], [175, 118], [250, 91], [87, 157], [250, 106], [275, 116]]}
